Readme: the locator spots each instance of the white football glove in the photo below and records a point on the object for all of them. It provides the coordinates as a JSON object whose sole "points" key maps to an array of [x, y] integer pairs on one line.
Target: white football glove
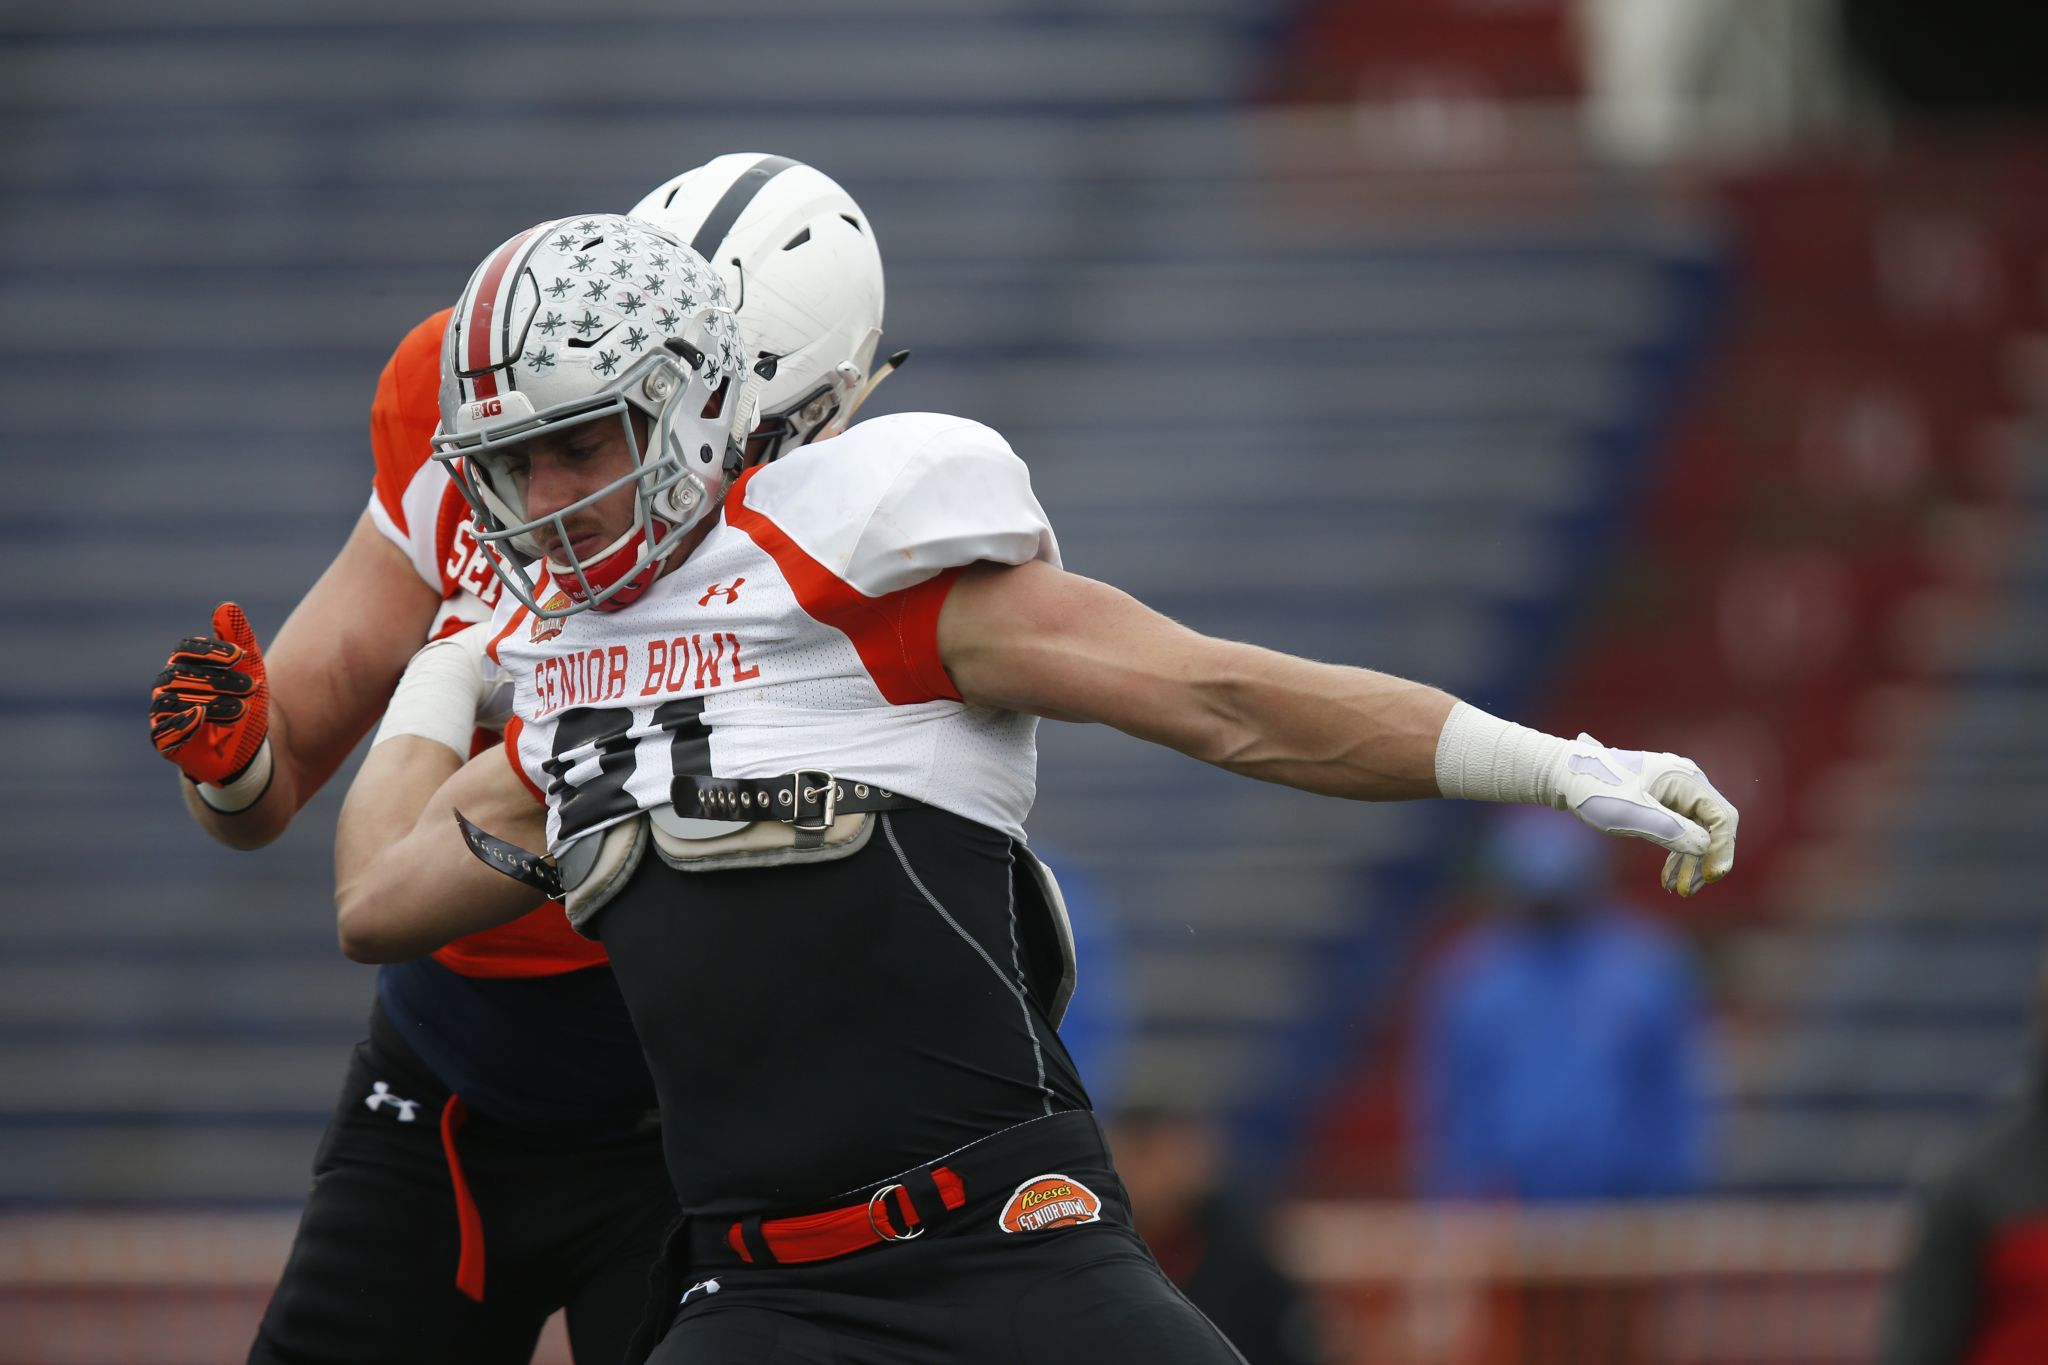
{"points": [[1663, 798]]}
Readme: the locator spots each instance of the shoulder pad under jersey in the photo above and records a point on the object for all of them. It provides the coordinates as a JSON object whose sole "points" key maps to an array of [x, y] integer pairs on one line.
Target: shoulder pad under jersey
{"points": [[895, 500], [404, 414]]}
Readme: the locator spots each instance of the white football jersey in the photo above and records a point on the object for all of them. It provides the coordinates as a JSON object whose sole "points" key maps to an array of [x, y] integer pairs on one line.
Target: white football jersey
{"points": [[801, 633]]}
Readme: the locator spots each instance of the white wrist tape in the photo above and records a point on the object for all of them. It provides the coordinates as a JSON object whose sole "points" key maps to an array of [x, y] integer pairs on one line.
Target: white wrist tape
{"points": [[247, 788], [438, 695], [1484, 758]]}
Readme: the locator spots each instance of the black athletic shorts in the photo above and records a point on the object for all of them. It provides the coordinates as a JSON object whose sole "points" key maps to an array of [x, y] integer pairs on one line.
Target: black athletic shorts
{"points": [[1037, 1263], [398, 1238]]}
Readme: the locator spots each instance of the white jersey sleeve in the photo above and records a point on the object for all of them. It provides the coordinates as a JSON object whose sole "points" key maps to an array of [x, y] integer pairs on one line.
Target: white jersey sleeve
{"points": [[897, 500]]}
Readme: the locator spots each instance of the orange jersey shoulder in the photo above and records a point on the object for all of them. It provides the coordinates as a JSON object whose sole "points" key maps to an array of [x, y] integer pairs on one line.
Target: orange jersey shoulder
{"points": [[405, 412]]}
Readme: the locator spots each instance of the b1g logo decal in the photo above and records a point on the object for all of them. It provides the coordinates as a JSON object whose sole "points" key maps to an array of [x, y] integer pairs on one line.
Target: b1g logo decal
{"points": [[1050, 1201], [486, 407]]}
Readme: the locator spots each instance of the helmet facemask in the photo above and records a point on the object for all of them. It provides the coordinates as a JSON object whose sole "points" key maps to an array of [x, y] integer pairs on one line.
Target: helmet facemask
{"points": [[494, 478], [799, 424], [825, 411]]}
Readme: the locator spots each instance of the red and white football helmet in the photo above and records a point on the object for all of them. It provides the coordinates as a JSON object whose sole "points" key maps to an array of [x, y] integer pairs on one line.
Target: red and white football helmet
{"points": [[799, 258], [584, 319]]}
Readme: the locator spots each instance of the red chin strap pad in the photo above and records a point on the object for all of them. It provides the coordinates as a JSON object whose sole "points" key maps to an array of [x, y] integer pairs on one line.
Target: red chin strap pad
{"points": [[622, 563], [642, 579]]}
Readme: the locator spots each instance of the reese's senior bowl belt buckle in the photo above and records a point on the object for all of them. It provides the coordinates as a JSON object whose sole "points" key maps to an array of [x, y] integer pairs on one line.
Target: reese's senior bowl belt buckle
{"points": [[1050, 1201]]}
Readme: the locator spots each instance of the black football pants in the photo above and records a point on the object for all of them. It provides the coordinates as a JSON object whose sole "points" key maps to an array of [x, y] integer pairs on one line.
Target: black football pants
{"points": [[373, 1272], [1066, 1293]]}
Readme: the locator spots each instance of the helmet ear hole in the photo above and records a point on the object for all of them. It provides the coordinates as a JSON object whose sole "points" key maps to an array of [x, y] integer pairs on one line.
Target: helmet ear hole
{"points": [[704, 454]]}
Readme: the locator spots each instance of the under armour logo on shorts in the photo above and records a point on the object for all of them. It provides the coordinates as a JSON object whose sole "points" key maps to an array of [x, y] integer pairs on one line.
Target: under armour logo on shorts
{"points": [[381, 1095], [708, 1286]]}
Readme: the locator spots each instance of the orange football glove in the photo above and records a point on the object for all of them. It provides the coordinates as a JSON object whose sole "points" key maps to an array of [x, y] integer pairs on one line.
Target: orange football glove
{"points": [[210, 709]]}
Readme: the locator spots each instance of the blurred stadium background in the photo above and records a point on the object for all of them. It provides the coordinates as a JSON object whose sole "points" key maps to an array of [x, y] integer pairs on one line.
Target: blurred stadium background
{"points": [[1672, 369]]}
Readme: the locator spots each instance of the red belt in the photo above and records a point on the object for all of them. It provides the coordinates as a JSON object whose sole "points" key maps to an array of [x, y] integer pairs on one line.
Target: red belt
{"points": [[890, 1214], [907, 1205]]}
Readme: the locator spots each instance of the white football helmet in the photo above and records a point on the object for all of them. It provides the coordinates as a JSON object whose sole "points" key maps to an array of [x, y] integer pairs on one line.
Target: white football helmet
{"points": [[583, 319], [805, 275]]}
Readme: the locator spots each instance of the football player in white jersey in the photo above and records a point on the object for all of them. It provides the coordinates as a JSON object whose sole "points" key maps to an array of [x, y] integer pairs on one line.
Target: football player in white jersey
{"points": [[491, 1157], [775, 731]]}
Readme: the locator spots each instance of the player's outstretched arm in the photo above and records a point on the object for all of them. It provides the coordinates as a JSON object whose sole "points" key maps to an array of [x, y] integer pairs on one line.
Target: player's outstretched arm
{"points": [[257, 734], [405, 882], [1037, 639]]}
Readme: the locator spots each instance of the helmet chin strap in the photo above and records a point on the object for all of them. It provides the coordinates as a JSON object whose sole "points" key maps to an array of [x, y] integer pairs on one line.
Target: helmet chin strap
{"points": [[882, 371], [601, 573]]}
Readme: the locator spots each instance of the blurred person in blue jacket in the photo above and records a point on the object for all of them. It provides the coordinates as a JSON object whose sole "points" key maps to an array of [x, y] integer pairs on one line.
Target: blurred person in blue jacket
{"points": [[1562, 1049]]}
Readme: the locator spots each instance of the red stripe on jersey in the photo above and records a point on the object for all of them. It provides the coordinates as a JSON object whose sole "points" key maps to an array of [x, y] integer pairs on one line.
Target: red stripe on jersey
{"points": [[483, 310], [897, 636], [491, 649]]}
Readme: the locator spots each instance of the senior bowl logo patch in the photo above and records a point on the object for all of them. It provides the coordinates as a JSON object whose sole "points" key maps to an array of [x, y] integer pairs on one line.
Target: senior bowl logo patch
{"points": [[548, 627], [1050, 1201]]}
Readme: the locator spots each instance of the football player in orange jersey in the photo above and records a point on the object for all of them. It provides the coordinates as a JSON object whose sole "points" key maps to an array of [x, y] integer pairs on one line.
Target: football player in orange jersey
{"points": [[493, 1155], [775, 729]]}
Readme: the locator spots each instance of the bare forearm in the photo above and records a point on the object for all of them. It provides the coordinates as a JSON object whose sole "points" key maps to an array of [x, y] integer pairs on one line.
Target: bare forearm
{"points": [[1332, 730], [384, 804], [1052, 644], [405, 884]]}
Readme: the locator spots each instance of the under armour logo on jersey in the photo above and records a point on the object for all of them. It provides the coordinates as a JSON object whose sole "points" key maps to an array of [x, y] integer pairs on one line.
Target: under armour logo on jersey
{"points": [[732, 594], [381, 1095], [707, 1286]]}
